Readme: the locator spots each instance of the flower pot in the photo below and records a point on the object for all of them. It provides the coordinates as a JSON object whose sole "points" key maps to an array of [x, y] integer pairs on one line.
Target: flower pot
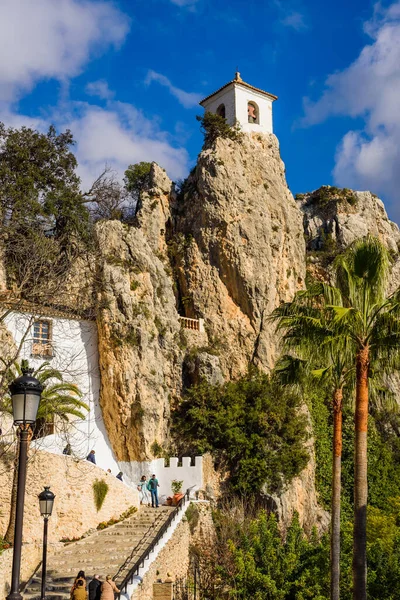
{"points": [[176, 498]]}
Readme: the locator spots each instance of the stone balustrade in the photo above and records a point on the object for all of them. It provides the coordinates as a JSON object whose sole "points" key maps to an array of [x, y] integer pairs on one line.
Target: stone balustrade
{"points": [[193, 324]]}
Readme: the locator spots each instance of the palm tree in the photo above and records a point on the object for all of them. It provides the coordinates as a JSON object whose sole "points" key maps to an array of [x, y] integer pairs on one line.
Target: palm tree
{"points": [[309, 331], [371, 321], [366, 322], [60, 399]]}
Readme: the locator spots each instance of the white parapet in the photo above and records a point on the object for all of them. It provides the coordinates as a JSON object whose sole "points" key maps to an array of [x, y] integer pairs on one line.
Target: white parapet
{"points": [[180, 470]]}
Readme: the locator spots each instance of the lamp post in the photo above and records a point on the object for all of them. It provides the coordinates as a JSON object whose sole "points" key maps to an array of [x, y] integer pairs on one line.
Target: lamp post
{"points": [[46, 500], [25, 396]]}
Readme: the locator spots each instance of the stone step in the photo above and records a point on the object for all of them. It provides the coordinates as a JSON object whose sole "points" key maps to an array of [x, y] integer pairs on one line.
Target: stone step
{"points": [[112, 550], [52, 595]]}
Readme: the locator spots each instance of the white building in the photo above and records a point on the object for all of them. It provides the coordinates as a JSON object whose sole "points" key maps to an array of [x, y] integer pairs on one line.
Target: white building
{"points": [[70, 346], [243, 104]]}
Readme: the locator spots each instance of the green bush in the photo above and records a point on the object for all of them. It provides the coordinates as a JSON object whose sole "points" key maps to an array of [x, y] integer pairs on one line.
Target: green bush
{"points": [[176, 486], [213, 126], [252, 425], [100, 490]]}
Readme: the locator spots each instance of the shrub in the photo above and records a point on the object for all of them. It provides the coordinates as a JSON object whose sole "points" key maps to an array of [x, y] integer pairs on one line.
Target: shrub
{"points": [[176, 486], [252, 425], [100, 489], [156, 449], [134, 285], [213, 126]]}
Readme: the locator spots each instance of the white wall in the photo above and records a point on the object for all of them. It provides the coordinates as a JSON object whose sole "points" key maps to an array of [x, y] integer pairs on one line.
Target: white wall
{"points": [[76, 356], [192, 476], [236, 97], [227, 97], [243, 96]]}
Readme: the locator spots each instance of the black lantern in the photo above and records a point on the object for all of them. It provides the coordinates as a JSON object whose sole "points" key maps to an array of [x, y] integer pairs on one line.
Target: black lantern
{"points": [[25, 395], [46, 500]]}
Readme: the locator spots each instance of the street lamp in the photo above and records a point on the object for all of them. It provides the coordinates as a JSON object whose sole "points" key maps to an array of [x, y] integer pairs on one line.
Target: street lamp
{"points": [[25, 397], [46, 500]]}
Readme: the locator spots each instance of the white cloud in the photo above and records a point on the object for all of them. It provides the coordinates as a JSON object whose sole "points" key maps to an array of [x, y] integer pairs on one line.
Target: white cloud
{"points": [[369, 88], [100, 89], [187, 99], [48, 39], [184, 2], [290, 17], [45, 39], [120, 135], [295, 20]]}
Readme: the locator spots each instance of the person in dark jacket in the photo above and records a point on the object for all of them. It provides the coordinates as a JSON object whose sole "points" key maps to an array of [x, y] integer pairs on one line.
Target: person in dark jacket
{"points": [[67, 450], [91, 457], [95, 588]]}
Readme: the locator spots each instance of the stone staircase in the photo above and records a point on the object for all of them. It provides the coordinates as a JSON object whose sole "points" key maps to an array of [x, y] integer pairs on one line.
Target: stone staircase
{"points": [[111, 551]]}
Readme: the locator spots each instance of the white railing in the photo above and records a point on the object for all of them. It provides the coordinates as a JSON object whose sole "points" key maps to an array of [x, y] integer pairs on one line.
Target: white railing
{"points": [[193, 324]]}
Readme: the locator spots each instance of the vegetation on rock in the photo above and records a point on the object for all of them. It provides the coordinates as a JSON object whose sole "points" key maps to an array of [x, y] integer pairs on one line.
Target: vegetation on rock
{"points": [[214, 126], [252, 426], [137, 179], [327, 194], [100, 490]]}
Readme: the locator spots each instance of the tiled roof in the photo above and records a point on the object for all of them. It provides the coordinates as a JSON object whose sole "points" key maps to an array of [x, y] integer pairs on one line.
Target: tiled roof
{"points": [[9, 301], [239, 81]]}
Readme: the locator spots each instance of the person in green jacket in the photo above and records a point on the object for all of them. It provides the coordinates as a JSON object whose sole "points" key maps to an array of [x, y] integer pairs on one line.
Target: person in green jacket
{"points": [[152, 487]]}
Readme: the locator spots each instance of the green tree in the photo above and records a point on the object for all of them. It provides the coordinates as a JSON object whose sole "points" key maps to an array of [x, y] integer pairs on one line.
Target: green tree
{"points": [[214, 126], [137, 179], [309, 330], [250, 425], [368, 323], [45, 223], [38, 182], [60, 399], [371, 322]]}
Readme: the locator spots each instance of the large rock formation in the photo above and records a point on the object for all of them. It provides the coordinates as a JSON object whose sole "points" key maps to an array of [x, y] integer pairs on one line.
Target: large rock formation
{"points": [[228, 249], [334, 216], [139, 330], [238, 248]]}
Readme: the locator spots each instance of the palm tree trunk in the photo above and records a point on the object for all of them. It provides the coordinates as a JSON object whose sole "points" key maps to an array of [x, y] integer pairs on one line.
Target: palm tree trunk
{"points": [[360, 477], [336, 493]]}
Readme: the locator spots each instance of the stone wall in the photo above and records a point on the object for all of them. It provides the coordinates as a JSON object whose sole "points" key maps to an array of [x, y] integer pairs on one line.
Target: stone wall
{"points": [[173, 558], [74, 511], [31, 556]]}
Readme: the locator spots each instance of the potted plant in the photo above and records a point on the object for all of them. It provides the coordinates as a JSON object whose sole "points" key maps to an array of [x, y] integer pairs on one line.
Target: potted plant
{"points": [[176, 487]]}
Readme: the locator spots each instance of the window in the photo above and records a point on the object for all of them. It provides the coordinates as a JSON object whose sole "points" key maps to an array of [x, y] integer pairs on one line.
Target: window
{"points": [[221, 111], [42, 345], [252, 112]]}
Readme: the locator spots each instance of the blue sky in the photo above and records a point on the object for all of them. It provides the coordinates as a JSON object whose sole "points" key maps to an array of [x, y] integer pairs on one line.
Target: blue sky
{"points": [[126, 77]]}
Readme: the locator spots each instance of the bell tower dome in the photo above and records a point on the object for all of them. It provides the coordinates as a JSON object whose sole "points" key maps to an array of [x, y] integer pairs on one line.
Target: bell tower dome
{"points": [[240, 102]]}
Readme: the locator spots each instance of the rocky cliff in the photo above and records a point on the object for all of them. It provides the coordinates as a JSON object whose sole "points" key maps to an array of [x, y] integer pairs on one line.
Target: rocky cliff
{"points": [[139, 333], [239, 248], [340, 216], [229, 248]]}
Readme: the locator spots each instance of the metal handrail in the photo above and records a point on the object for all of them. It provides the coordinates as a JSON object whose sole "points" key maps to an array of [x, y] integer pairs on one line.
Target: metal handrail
{"points": [[145, 555]]}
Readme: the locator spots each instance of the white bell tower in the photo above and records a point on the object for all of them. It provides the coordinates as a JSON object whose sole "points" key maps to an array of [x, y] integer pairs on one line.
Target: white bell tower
{"points": [[240, 102]]}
